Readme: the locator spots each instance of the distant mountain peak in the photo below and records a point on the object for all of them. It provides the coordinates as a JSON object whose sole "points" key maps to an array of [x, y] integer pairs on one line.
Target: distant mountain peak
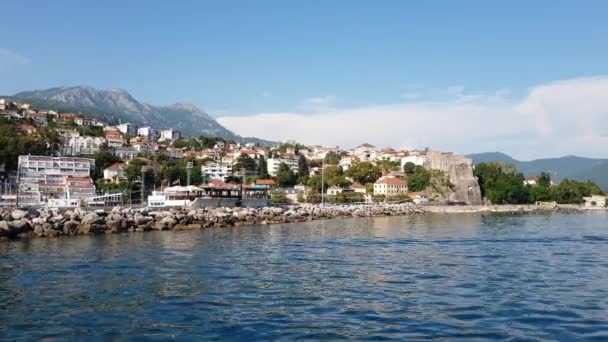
{"points": [[187, 106]]}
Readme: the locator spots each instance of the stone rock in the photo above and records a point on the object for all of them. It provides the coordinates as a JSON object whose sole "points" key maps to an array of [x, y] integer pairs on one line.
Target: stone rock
{"points": [[70, 227], [18, 214], [90, 218], [39, 231]]}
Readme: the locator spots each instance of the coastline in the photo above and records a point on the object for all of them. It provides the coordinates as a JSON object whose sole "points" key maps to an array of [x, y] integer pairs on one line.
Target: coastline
{"points": [[39, 223]]}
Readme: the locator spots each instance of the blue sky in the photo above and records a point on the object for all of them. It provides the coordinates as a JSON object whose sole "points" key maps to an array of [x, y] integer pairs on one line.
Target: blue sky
{"points": [[244, 58]]}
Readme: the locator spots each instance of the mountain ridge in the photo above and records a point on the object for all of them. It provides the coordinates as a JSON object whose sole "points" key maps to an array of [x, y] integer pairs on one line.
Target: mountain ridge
{"points": [[117, 105], [572, 167]]}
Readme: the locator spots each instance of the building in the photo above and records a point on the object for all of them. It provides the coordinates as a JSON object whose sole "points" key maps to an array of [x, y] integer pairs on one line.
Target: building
{"points": [[265, 183], [218, 171], [170, 134], [143, 148], [532, 180], [3, 104], [334, 190], [151, 133], [419, 197], [390, 186], [33, 170], [595, 201], [80, 187], [415, 157], [80, 121], [115, 173], [40, 119], [127, 128], [273, 164], [358, 188], [114, 138], [84, 145], [125, 153]]}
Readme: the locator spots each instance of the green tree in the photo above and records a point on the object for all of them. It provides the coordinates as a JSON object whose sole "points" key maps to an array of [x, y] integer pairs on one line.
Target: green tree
{"points": [[302, 168], [419, 180], [544, 180], [103, 159], [364, 172], [409, 168], [263, 168], [332, 158], [315, 183], [501, 184], [285, 177], [245, 162]]}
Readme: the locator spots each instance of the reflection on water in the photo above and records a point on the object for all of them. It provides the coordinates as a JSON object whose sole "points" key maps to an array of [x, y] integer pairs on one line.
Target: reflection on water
{"points": [[446, 276]]}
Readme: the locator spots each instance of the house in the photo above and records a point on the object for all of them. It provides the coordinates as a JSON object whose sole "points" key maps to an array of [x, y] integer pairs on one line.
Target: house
{"points": [[415, 157], [358, 188], [334, 190], [143, 148], [346, 162], [595, 201], [115, 172], [35, 170], [114, 138], [265, 183], [80, 187], [3, 104], [27, 129], [273, 164], [127, 128], [80, 121], [214, 170], [65, 118], [419, 197], [125, 153], [532, 180], [170, 134], [84, 145], [40, 119], [390, 186], [149, 132]]}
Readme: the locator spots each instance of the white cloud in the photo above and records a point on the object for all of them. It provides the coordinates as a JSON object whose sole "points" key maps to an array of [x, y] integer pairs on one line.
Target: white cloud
{"points": [[320, 101], [558, 118], [10, 58]]}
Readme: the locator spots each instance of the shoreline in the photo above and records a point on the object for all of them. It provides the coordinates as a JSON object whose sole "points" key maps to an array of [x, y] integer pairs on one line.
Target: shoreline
{"points": [[18, 224]]}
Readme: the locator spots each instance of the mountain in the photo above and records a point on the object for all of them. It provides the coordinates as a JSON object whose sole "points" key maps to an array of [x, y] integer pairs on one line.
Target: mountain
{"points": [[573, 167], [118, 106]]}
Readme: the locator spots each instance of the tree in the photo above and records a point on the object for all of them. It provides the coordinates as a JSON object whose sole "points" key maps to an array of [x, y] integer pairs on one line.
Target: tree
{"points": [[419, 179], [544, 180], [332, 158], [409, 168], [364, 172], [302, 168], [315, 183], [103, 160], [245, 162], [263, 168], [501, 184], [285, 177]]}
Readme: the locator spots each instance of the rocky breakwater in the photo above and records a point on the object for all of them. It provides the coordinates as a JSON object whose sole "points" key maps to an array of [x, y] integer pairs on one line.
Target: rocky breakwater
{"points": [[31, 223]]}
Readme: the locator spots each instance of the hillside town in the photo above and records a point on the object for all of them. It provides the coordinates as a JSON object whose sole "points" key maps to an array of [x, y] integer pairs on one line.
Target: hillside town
{"points": [[72, 159]]}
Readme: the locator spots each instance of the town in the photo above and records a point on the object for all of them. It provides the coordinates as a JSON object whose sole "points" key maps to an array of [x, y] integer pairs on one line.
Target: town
{"points": [[58, 159]]}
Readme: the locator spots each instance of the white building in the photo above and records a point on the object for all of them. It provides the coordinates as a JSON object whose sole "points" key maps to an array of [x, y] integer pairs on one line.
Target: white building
{"points": [[416, 158], [595, 201], [125, 152], [216, 171], [273, 164], [334, 190], [35, 170], [149, 132], [346, 162], [170, 134], [127, 128], [84, 145], [390, 186], [143, 148], [115, 173]]}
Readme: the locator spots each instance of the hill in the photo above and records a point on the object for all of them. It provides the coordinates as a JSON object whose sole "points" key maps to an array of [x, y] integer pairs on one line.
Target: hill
{"points": [[572, 167], [118, 106]]}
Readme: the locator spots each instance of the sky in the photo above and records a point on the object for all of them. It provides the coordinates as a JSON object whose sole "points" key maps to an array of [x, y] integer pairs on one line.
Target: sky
{"points": [[528, 78]]}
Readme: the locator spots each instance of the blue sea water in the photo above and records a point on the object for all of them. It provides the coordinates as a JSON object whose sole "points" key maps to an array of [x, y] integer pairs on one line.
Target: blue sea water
{"points": [[443, 277]]}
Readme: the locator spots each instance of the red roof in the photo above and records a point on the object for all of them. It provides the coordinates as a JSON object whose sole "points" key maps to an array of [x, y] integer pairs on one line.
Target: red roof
{"points": [[265, 182], [217, 182], [391, 180], [116, 167], [357, 186]]}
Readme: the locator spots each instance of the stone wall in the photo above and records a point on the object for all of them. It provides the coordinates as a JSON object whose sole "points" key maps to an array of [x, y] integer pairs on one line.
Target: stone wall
{"points": [[460, 170]]}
